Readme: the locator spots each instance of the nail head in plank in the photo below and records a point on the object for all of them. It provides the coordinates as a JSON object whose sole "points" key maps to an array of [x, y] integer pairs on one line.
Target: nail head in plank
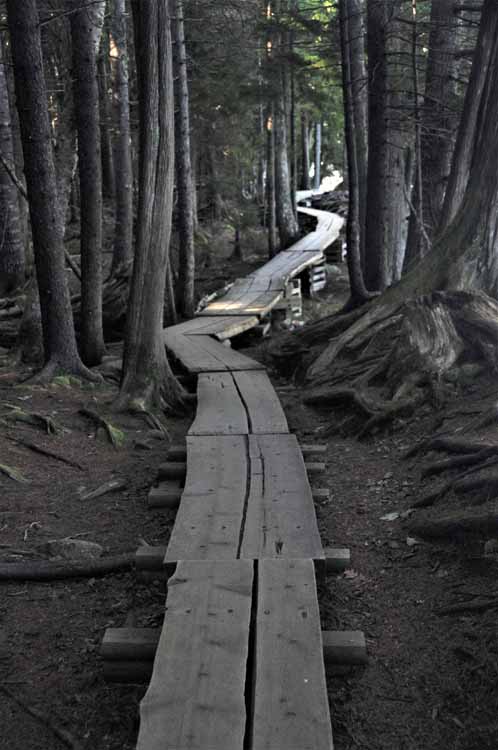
{"points": [[220, 410], [344, 647], [209, 520], [290, 694], [196, 695]]}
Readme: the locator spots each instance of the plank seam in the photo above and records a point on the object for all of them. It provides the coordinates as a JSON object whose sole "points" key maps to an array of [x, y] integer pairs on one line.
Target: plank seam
{"points": [[244, 404], [246, 498]]}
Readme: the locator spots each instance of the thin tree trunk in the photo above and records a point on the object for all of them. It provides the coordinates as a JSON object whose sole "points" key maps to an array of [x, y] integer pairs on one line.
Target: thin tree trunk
{"points": [[271, 216], [464, 152], [183, 169], [61, 354], [86, 29], [105, 99], [123, 231], [386, 203], [12, 261], [359, 87], [318, 156], [147, 377], [353, 228], [305, 153]]}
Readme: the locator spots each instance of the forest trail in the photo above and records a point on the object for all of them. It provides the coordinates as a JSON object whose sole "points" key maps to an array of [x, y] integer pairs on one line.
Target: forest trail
{"points": [[245, 540]]}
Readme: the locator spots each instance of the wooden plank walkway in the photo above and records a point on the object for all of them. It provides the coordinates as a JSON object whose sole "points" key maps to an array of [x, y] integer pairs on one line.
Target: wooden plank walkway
{"points": [[291, 709], [239, 662], [196, 698], [237, 403]]}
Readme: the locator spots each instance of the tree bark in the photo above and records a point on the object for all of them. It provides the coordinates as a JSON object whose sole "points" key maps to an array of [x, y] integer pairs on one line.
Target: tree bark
{"points": [[12, 261], [464, 151], [385, 196], [183, 162], [123, 231], [61, 354], [105, 101], [353, 228], [147, 377], [318, 156], [305, 153], [86, 30]]}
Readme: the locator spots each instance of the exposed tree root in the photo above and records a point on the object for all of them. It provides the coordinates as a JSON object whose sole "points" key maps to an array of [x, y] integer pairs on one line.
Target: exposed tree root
{"points": [[60, 732], [456, 525], [456, 462]]}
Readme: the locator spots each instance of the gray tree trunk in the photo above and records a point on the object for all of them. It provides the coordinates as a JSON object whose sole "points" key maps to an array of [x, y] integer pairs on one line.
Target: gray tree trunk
{"points": [[147, 377], [86, 29], [318, 156], [61, 354], [12, 261], [123, 232], [105, 100], [305, 153], [185, 186]]}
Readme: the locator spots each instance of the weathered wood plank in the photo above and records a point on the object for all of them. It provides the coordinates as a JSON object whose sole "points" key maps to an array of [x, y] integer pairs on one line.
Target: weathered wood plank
{"points": [[222, 327], [204, 354], [196, 695], [263, 406], [291, 710], [280, 516], [220, 410], [251, 302], [209, 521]]}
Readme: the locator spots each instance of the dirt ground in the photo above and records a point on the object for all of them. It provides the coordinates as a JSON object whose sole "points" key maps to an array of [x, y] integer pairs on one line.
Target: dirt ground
{"points": [[431, 681]]}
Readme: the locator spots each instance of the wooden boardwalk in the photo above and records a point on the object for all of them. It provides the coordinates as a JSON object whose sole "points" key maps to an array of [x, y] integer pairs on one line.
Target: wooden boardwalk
{"points": [[239, 663]]}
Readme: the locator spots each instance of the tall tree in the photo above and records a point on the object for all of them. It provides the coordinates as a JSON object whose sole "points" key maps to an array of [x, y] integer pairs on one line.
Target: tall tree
{"points": [[86, 30], [359, 293], [185, 185], [288, 228], [147, 378], [123, 232], [305, 183], [106, 118], [61, 354], [385, 216], [12, 259]]}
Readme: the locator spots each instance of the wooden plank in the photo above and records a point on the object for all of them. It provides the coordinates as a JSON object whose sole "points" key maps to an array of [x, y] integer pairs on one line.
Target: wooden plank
{"points": [[263, 406], [204, 354], [280, 517], [220, 410], [222, 327], [291, 708], [209, 521], [196, 695], [251, 302]]}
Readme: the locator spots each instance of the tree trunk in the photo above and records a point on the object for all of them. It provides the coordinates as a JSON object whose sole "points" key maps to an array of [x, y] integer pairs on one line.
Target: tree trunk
{"points": [[123, 232], [385, 198], [270, 185], [147, 377], [437, 119], [106, 124], [359, 89], [305, 153], [86, 29], [353, 228], [61, 354], [318, 156], [11, 240], [184, 170], [464, 151]]}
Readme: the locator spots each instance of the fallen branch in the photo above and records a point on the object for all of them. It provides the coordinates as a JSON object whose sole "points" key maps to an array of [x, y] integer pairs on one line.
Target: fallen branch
{"points": [[60, 732], [111, 486], [475, 606], [48, 570]]}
